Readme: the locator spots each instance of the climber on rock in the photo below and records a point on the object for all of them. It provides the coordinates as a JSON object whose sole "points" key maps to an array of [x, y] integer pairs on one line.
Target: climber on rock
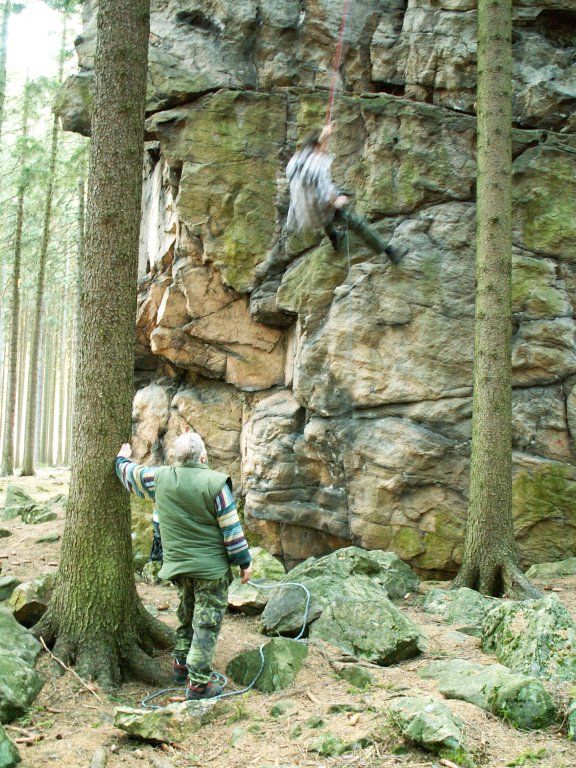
{"points": [[316, 203]]}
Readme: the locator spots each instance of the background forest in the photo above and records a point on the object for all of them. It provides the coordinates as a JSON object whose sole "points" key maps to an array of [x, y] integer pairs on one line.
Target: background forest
{"points": [[41, 215]]}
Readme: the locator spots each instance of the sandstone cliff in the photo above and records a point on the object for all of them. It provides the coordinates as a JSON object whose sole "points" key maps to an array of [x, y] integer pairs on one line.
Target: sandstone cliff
{"points": [[338, 394]]}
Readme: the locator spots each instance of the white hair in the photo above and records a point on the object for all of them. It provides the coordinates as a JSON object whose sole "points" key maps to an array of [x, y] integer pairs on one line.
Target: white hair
{"points": [[188, 447]]}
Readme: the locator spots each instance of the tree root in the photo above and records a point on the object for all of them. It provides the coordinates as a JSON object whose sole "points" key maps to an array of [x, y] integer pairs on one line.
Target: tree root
{"points": [[496, 580], [144, 668]]}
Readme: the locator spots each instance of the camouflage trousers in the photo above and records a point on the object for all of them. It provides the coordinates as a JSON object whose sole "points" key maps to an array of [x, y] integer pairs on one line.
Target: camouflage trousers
{"points": [[202, 607]]}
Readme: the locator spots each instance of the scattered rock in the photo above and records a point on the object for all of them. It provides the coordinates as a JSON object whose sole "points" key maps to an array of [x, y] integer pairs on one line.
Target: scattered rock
{"points": [[60, 501], [246, 598], [9, 755], [4, 533], [542, 571], [152, 610], [329, 745], [281, 707], [7, 585], [462, 607], [324, 578], [428, 723], [50, 538], [29, 600], [521, 700], [17, 641], [37, 513], [537, 638], [173, 723], [370, 628], [16, 500], [357, 676], [19, 686], [283, 659]]}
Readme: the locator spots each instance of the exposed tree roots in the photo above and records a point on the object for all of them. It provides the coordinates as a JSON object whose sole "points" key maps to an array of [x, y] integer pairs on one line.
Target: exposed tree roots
{"points": [[110, 659], [503, 579]]}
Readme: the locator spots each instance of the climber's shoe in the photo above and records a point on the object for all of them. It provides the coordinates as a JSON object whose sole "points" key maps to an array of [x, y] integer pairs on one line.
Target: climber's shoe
{"points": [[179, 671], [198, 691]]}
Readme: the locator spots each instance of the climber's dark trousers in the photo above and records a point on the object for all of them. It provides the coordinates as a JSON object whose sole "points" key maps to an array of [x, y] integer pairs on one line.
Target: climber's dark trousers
{"points": [[348, 220]]}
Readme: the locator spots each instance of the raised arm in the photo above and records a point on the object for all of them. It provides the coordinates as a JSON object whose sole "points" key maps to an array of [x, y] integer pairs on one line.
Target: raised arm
{"points": [[141, 481], [232, 533]]}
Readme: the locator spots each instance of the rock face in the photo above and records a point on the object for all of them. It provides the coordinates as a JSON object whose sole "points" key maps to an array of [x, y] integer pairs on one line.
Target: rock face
{"points": [[336, 392], [462, 607], [537, 638], [361, 574], [521, 700]]}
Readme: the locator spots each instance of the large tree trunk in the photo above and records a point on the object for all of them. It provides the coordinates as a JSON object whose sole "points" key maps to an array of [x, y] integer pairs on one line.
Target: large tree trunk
{"points": [[33, 381], [9, 415], [490, 559], [95, 615]]}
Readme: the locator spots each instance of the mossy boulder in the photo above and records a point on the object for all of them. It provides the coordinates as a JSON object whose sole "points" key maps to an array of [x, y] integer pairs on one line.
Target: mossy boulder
{"points": [[537, 638], [19, 686], [521, 700], [370, 628], [283, 659], [30, 599], [173, 723], [358, 676], [9, 755], [17, 641], [324, 577], [545, 571], [429, 723], [330, 745], [7, 585], [250, 599], [465, 608], [17, 501]]}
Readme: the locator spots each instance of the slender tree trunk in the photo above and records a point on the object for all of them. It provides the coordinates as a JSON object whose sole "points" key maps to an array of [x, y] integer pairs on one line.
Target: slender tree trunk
{"points": [[3, 46], [40, 396], [8, 442], [21, 385], [100, 622], [30, 430], [490, 558]]}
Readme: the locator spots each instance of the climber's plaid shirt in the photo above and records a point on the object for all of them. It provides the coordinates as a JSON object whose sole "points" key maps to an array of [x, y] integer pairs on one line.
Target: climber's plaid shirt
{"points": [[311, 190], [141, 481]]}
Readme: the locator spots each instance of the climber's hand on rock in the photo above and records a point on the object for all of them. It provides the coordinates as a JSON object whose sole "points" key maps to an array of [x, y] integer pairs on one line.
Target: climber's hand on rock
{"points": [[246, 574], [341, 201], [126, 451]]}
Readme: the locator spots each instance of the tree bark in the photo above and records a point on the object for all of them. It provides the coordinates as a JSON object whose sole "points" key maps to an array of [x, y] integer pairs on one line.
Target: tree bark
{"points": [[33, 381], [9, 416], [95, 615], [490, 561]]}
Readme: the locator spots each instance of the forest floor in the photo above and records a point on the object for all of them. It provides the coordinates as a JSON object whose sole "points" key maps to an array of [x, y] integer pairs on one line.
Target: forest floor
{"points": [[67, 722]]}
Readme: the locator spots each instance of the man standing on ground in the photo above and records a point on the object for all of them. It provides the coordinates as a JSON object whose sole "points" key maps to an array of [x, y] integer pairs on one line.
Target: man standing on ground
{"points": [[201, 538]]}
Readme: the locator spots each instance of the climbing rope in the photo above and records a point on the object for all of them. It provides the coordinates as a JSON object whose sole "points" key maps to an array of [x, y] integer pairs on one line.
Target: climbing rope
{"points": [[337, 61], [220, 679]]}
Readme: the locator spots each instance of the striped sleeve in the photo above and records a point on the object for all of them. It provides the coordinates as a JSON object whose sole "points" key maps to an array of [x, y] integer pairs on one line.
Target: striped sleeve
{"points": [[231, 529], [141, 481]]}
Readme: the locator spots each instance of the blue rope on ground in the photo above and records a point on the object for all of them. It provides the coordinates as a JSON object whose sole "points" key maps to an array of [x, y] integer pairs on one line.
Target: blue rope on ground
{"points": [[221, 679]]}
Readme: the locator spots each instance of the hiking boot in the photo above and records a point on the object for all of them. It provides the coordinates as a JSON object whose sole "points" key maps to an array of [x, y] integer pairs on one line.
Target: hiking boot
{"points": [[179, 671], [198, 691]]}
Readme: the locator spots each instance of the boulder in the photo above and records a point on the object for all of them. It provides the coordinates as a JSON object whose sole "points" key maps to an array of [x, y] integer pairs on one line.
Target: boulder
{"points": [[4, 533], [324, 578], [330, 745], [429, 723], [29, 600], [16, 501], [537, 638], [7, 585], [358, 676], [283, 659], [9, 755], [545, 571], [250, 599], [17, 641], [35, 514], [173, 723], [523, 701], [369, 627], [465, 608], [19, 686]]}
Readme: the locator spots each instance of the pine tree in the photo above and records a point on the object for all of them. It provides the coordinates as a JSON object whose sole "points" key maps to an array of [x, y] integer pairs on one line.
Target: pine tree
{"points": [[11, 383], [34, 377], [490, 562], [95, 616]]}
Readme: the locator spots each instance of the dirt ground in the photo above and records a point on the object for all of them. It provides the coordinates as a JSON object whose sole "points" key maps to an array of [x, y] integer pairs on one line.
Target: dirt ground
{"points": [[67, 722]]}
